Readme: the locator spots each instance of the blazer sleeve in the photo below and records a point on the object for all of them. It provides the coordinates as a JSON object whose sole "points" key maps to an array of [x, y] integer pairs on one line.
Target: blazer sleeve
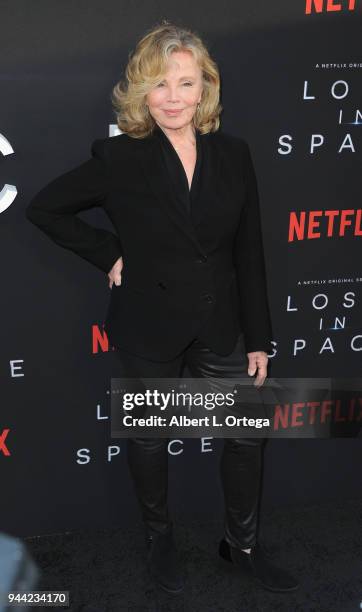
{"points": [[250, 265], [54, 211]]}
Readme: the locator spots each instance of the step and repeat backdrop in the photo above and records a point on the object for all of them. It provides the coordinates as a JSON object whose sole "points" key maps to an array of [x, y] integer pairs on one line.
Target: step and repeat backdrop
{"points": [[291, 87]]}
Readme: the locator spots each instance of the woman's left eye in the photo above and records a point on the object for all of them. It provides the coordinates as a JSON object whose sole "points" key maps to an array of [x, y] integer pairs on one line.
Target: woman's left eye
{"points": [[187, 83]]}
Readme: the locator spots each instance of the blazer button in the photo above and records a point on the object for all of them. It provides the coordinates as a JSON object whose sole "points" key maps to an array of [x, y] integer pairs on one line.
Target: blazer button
{"points": [[207, 297], [202, 259]]}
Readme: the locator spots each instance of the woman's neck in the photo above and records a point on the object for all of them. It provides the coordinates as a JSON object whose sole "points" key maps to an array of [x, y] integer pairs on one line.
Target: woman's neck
{"points": [[180, 136]]}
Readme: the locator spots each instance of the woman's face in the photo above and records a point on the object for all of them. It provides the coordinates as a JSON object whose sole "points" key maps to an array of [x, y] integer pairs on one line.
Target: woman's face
{"points": [[173, 102]]}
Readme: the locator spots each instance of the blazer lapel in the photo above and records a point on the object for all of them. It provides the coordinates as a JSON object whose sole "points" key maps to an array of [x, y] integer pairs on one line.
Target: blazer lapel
{"points": [[209, 178], [154, 170]]}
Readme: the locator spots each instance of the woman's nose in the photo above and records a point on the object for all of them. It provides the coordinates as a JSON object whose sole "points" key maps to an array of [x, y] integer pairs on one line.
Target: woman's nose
{"points": [[173, 95]]}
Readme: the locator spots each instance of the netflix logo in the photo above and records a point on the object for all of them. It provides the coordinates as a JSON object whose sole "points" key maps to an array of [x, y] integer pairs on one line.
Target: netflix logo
{"points": [[309, 225], [3, 448], [100, 342], [329, 6]]}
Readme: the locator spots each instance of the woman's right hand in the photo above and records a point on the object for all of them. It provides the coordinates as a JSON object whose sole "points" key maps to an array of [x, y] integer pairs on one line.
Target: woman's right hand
{"points": [[115, 274]]}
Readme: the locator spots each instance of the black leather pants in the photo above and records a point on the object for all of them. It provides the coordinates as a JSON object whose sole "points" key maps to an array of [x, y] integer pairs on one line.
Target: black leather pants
{"points": [[241, 460]]}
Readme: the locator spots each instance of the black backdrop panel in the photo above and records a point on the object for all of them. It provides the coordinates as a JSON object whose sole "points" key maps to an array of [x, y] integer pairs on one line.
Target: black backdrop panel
{"points": [[291, 88]]}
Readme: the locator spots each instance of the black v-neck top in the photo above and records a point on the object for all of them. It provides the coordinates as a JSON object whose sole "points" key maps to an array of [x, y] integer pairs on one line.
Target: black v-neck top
{"points": [[176, 170]]}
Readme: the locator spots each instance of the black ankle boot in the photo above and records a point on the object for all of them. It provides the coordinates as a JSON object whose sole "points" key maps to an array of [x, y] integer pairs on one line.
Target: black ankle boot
{"points": [[271, 577], [164, 562]]}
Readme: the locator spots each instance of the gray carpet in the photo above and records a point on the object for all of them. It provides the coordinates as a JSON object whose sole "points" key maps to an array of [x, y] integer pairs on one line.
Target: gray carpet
{"points": [[105, 571]]}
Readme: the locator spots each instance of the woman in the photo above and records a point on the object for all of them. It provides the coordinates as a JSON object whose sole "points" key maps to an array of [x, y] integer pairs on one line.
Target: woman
{"points": [[186, 270]]}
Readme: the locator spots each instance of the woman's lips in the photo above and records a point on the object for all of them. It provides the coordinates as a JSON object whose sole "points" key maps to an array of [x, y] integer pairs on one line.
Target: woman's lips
{"points": [[173, 112]]}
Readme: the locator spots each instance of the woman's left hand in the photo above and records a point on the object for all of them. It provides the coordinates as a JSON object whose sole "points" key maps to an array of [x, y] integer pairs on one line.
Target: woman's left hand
{"points": [[258, 361]]}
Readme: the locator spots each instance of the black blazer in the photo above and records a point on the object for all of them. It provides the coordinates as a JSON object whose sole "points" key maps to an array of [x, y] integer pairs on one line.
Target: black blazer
{"points": [[183, 277]]}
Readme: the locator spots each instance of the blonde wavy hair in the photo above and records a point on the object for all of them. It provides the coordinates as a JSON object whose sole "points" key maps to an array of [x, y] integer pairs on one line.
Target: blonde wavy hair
{"points": [[146, 66]]}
